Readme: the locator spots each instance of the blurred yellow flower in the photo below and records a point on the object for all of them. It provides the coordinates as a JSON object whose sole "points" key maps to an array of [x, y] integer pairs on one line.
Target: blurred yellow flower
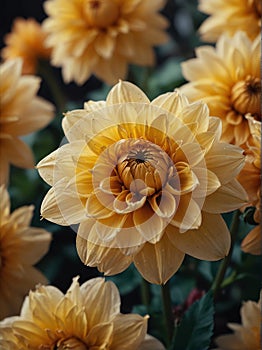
{"points": [[102, 37], [21, 113], [26, 41], [146, 181], [86, 317], [228, 16], [21, 246], [250, 178], [246, 336], [227, 78]]}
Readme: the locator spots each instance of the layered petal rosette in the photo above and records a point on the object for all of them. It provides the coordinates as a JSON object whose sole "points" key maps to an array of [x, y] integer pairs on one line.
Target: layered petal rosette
{"points": [[227, 78], [86, 317], [229, 16], [102, 37], [27, 41], [145, 181]]}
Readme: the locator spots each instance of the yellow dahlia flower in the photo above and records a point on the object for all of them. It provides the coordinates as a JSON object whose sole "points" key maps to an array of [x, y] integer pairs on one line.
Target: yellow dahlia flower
{"points": [[146, 182], [246, 336], [102, 37], [250, 178], [228, 16], [21, 113], [87, 317], [26, 41], [227, 78], [21, 246]]}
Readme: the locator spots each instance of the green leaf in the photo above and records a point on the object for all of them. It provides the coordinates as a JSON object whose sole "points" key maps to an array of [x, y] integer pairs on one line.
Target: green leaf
{"points": [[196, 327]]}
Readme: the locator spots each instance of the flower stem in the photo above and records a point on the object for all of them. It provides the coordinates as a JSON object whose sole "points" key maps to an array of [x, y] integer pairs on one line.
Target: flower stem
{"points": [[46, 72], [226, 261], [167, 311], [145, 293]]}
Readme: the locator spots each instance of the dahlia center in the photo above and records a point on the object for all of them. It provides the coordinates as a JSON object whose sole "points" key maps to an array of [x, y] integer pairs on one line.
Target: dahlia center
{"points": [[71, 343], [245, 96], [146, 162], [101, 13]]}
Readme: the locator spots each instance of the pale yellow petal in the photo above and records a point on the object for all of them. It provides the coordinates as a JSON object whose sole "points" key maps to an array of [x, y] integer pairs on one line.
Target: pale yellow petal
{"points": [[62, 205], [151, 343], [129, 331], [226, 198], [250, 314], [188, 215], [18, 153], [108, 260], [173, 102], [225, 161], [252, 243], [148, 223], [158, 262], [100, 335], [210, 242], [126, 92]]}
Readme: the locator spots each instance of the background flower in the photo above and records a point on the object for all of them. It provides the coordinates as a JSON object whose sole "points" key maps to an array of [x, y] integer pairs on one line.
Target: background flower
{"points": [[228, 16], [248, 334], [250, 178], [229, 92], [103, 37], [26, 41], [86, 317], [22, 112], [146, 181], [21, 246]]}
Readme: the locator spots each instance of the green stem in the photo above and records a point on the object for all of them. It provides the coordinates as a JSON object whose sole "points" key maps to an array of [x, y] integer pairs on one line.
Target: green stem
{"points": [[226, 261], [46, 72], [167, 312], [145, 294]]}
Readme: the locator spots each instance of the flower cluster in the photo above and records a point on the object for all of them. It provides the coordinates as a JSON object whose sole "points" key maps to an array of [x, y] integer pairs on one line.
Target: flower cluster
{"points": [[86, 317], [147, 182], [150, 181], [229, 92], [103, 37], [27, 41], [229, 16]]}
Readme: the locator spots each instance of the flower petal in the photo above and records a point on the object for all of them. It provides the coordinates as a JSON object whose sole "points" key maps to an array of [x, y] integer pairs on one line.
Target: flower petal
{"points": [[148, 223], [110, 261], [188, 215], [211, 241], [252, 243], [130, 330], [126, 92], [158, 262], [225, 161], [226, 198]]}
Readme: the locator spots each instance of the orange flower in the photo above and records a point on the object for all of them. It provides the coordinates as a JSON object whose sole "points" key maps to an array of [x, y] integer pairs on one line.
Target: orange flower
{"points": [[250, 178], [248, 335], [86, 317], [227, 78], [26, 41], [21, 113], [228, 16], [146, 181], [102, 37], [21, 247]]}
